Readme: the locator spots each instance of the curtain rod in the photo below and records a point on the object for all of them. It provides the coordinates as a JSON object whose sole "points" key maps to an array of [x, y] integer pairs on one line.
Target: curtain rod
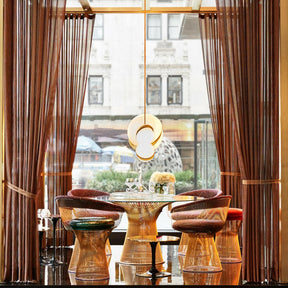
{"points": [[152, 10]]}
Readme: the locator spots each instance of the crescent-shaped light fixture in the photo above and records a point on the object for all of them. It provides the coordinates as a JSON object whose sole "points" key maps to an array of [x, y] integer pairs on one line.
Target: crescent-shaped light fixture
{"points": [[145, 131]]}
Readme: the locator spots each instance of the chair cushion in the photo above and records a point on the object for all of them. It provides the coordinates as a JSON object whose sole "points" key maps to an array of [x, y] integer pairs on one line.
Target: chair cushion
{"points": [[78, 212], [86, 193], [91, 223], [198, 225], [65, 201], [234, 214], [205, 193]]}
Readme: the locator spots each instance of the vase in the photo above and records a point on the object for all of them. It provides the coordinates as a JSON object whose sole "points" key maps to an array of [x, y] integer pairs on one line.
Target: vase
{"points": [[162, 188]]}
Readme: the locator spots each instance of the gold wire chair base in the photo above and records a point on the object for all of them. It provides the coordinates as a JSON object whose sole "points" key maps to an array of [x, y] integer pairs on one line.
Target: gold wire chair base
{"points": [[201, 255], [227, 243], [75, 255]]}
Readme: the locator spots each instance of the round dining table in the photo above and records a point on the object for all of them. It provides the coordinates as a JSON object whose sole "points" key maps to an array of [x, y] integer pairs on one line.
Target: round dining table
{"points": [[142, 211]]}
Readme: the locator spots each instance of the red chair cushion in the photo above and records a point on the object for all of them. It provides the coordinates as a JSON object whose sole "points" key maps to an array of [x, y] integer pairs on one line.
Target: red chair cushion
{"points": [[234, 214]]}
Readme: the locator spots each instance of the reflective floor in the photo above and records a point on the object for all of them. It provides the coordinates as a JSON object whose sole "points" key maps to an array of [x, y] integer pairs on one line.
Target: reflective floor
{"points": [[126, 274]]}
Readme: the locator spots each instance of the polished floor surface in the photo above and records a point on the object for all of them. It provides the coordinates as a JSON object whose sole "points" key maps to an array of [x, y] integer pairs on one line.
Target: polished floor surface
{"points": [[126, 274]]}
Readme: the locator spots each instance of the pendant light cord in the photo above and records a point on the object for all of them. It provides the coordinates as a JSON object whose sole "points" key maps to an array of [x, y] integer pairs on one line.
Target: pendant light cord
{"points": [[145, 80]]}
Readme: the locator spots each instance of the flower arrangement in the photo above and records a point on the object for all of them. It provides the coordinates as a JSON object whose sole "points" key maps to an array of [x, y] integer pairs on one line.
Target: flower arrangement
{"points": [[162, 177], [162, 183]]}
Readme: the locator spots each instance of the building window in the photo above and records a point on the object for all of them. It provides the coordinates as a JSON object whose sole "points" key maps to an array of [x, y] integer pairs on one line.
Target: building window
{"points": [[174, 90], [98, 32], [95, 94], [154, 90], [154, 26], [173, 26]]}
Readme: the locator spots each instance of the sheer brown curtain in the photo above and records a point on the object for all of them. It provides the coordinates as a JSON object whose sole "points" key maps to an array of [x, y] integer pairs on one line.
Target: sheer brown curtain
{"points": [[73, 73], [32, 41], [250, 34], [220, 108]]}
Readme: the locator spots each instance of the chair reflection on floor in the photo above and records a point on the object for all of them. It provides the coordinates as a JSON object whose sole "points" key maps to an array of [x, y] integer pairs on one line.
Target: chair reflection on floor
{"points": [[74, 281], [77, 282], [71, 207], [201, 220], [198, 278], [205, 193], [201, 278], [130, 278], [230, 274]]}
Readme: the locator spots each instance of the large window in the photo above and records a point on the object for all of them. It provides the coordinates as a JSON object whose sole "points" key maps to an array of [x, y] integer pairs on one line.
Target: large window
{"points": [[154, 90], [98, 32], [173, 26], [95, 94], [176, 93], [174, 90], [154, 27]]}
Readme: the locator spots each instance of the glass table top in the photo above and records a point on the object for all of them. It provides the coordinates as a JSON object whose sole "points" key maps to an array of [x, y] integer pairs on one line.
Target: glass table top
{"points": [[149, 197]]}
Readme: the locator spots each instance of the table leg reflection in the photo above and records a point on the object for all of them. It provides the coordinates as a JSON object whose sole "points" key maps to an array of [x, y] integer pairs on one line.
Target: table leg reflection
{"points": [[43, 260], [54, 261], [153, 272]]}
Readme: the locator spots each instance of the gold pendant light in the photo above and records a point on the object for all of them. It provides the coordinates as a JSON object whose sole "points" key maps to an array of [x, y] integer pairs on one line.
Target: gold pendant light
{"points": [[145, 131]]}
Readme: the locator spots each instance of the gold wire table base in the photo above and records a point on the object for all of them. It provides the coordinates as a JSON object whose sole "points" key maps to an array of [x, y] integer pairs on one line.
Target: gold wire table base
{"points": [[142, 218]]}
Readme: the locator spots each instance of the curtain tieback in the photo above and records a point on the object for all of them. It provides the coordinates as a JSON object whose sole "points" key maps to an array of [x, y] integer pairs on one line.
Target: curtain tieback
{"points": [[57, 174], [230, 174], [19, 190], [261, 182]]}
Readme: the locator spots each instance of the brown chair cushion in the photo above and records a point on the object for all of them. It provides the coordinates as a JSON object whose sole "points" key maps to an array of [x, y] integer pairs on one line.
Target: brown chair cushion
{"points": [[199, 225], [208, 203], [205, 193], [79, 213], [83, 202], [86, 193], [203, 216]]}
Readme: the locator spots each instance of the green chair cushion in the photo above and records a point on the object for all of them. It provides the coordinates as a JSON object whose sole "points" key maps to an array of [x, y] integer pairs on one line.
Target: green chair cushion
{"points": [[91, 223]]}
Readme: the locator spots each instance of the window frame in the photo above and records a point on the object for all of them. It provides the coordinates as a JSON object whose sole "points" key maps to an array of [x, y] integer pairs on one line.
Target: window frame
{"points": [[89, 90], [96, 26], [168, 26], [168, 90], [147, 92], [148, 26]]}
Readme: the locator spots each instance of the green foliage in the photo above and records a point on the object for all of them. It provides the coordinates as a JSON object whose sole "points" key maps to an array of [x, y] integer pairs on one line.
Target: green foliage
{"points": [[113, 175], [111, 181], [183, 186], [147, 176], [184, 176]]}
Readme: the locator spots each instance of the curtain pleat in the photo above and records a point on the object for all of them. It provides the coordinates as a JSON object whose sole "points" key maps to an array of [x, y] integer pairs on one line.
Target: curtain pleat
{"points": [[250, 35], [220, 108], [73, 73], [32, 41]]}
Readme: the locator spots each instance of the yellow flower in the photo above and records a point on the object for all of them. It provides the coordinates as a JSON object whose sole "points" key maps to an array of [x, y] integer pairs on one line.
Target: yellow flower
{"points": [[162, 177]]}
